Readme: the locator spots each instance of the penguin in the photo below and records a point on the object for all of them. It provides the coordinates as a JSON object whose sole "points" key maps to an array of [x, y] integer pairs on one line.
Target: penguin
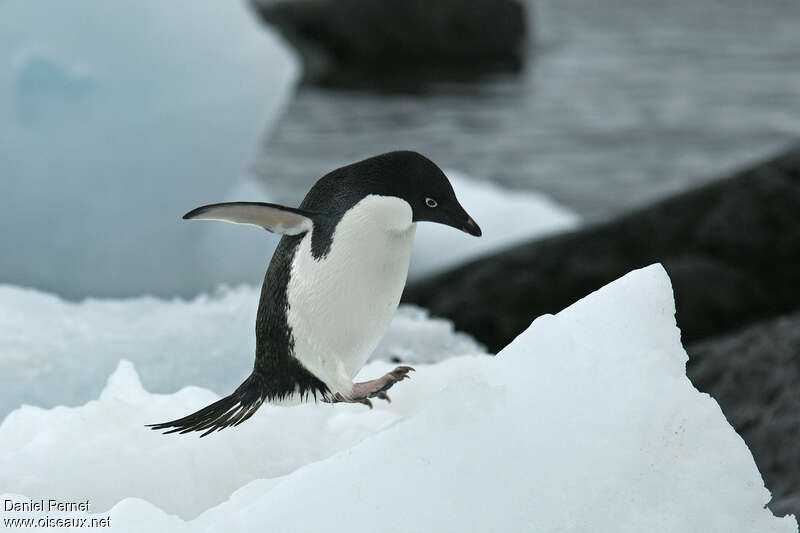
{"points": [[333, 283]]}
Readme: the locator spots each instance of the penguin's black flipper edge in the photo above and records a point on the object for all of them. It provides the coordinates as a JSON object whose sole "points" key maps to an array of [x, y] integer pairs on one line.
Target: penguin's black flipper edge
{"points": [[229, 411], [272, 217]]}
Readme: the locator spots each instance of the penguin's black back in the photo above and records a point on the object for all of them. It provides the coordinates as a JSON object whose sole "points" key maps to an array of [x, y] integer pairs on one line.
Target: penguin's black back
{"points": [[277, 374], [281, 374]]}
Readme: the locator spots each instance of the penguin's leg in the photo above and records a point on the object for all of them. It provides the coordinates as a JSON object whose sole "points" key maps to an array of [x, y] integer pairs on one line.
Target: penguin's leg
{"points": [[374, 388]]}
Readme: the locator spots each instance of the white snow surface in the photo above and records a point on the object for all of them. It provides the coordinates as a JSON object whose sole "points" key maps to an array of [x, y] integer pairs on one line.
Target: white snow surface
{"points": [[115, 119], [505, 217], [586, 422], [56, 352]]}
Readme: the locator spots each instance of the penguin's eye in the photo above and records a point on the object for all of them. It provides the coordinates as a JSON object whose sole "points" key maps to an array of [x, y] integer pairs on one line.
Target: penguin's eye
{"points": [[430, 202]]}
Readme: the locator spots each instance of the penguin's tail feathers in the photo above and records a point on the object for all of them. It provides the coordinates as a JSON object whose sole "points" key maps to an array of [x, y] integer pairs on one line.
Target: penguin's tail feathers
{"points": [[229, 411]]}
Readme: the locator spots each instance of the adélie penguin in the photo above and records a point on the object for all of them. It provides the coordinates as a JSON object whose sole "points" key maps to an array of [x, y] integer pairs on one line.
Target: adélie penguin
{"points": [[333, 284]]}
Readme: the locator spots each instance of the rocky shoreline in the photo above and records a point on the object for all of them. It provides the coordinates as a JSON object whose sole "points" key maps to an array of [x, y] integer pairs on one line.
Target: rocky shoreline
{"points": [[754, 374]]}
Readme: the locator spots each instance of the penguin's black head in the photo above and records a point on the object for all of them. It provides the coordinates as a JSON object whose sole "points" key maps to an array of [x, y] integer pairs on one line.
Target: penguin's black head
{"points": [[430, 193], [407, 175]]}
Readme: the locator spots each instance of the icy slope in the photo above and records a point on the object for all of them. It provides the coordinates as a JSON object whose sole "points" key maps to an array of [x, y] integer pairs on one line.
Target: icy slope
{"points": [[103, 452], [54, 352], [586, 422], [115, 119], [506, 217]]}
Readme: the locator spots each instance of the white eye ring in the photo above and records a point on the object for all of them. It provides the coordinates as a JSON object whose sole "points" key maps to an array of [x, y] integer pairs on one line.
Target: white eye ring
{"points": [[430, 202]]}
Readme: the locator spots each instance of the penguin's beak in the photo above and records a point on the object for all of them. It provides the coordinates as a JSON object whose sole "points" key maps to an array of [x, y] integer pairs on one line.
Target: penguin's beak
{"points": [[455, 216], [471, 227]]}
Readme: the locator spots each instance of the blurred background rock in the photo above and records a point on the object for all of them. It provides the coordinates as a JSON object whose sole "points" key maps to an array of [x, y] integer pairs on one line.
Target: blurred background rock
{"points": [[617, 104], [400, 44]]}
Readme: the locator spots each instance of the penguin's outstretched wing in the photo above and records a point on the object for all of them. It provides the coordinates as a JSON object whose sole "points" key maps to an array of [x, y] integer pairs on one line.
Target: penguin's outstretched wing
{"points": [[272, 217]]}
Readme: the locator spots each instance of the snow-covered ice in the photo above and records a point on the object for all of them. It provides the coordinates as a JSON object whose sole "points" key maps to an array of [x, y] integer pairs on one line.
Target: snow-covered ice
{"points": [[115, 119], [506, 217], [586, 422], [55, 352], [287, 439]]}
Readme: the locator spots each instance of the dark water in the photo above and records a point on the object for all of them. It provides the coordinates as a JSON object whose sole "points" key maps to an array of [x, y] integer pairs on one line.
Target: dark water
{"points": [[621, 103]]}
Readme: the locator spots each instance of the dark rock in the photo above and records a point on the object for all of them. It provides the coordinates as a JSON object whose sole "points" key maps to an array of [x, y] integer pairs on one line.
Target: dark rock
{"points": [[384, 43], [754, 375], [732, 249]]}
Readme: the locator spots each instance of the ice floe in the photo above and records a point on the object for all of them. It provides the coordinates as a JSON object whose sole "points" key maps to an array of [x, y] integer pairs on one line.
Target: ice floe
{"points": [[586, 422]]}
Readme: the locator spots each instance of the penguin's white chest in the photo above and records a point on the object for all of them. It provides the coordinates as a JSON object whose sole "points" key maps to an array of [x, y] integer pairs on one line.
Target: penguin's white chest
{"points": [[341, 304]]}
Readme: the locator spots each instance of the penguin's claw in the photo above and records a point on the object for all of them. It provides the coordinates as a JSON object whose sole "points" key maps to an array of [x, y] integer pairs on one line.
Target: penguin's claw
{"points": [[385, 383], [365, 401], [401, 372], [398, 374]]}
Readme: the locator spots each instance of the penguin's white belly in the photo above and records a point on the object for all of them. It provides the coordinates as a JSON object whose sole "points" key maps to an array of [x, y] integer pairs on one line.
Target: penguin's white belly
{"points": [[341, 305]]}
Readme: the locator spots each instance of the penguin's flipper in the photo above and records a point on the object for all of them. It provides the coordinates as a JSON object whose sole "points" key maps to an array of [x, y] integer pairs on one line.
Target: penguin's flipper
{"points": [[272, 217]]}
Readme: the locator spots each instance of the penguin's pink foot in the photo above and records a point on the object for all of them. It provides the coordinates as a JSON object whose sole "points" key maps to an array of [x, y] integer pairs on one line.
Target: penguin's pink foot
{"points": [[374, 388]]}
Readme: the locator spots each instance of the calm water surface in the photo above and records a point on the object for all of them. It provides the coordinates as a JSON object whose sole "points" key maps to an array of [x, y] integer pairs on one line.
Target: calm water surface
{"points": [[621, 103]]}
